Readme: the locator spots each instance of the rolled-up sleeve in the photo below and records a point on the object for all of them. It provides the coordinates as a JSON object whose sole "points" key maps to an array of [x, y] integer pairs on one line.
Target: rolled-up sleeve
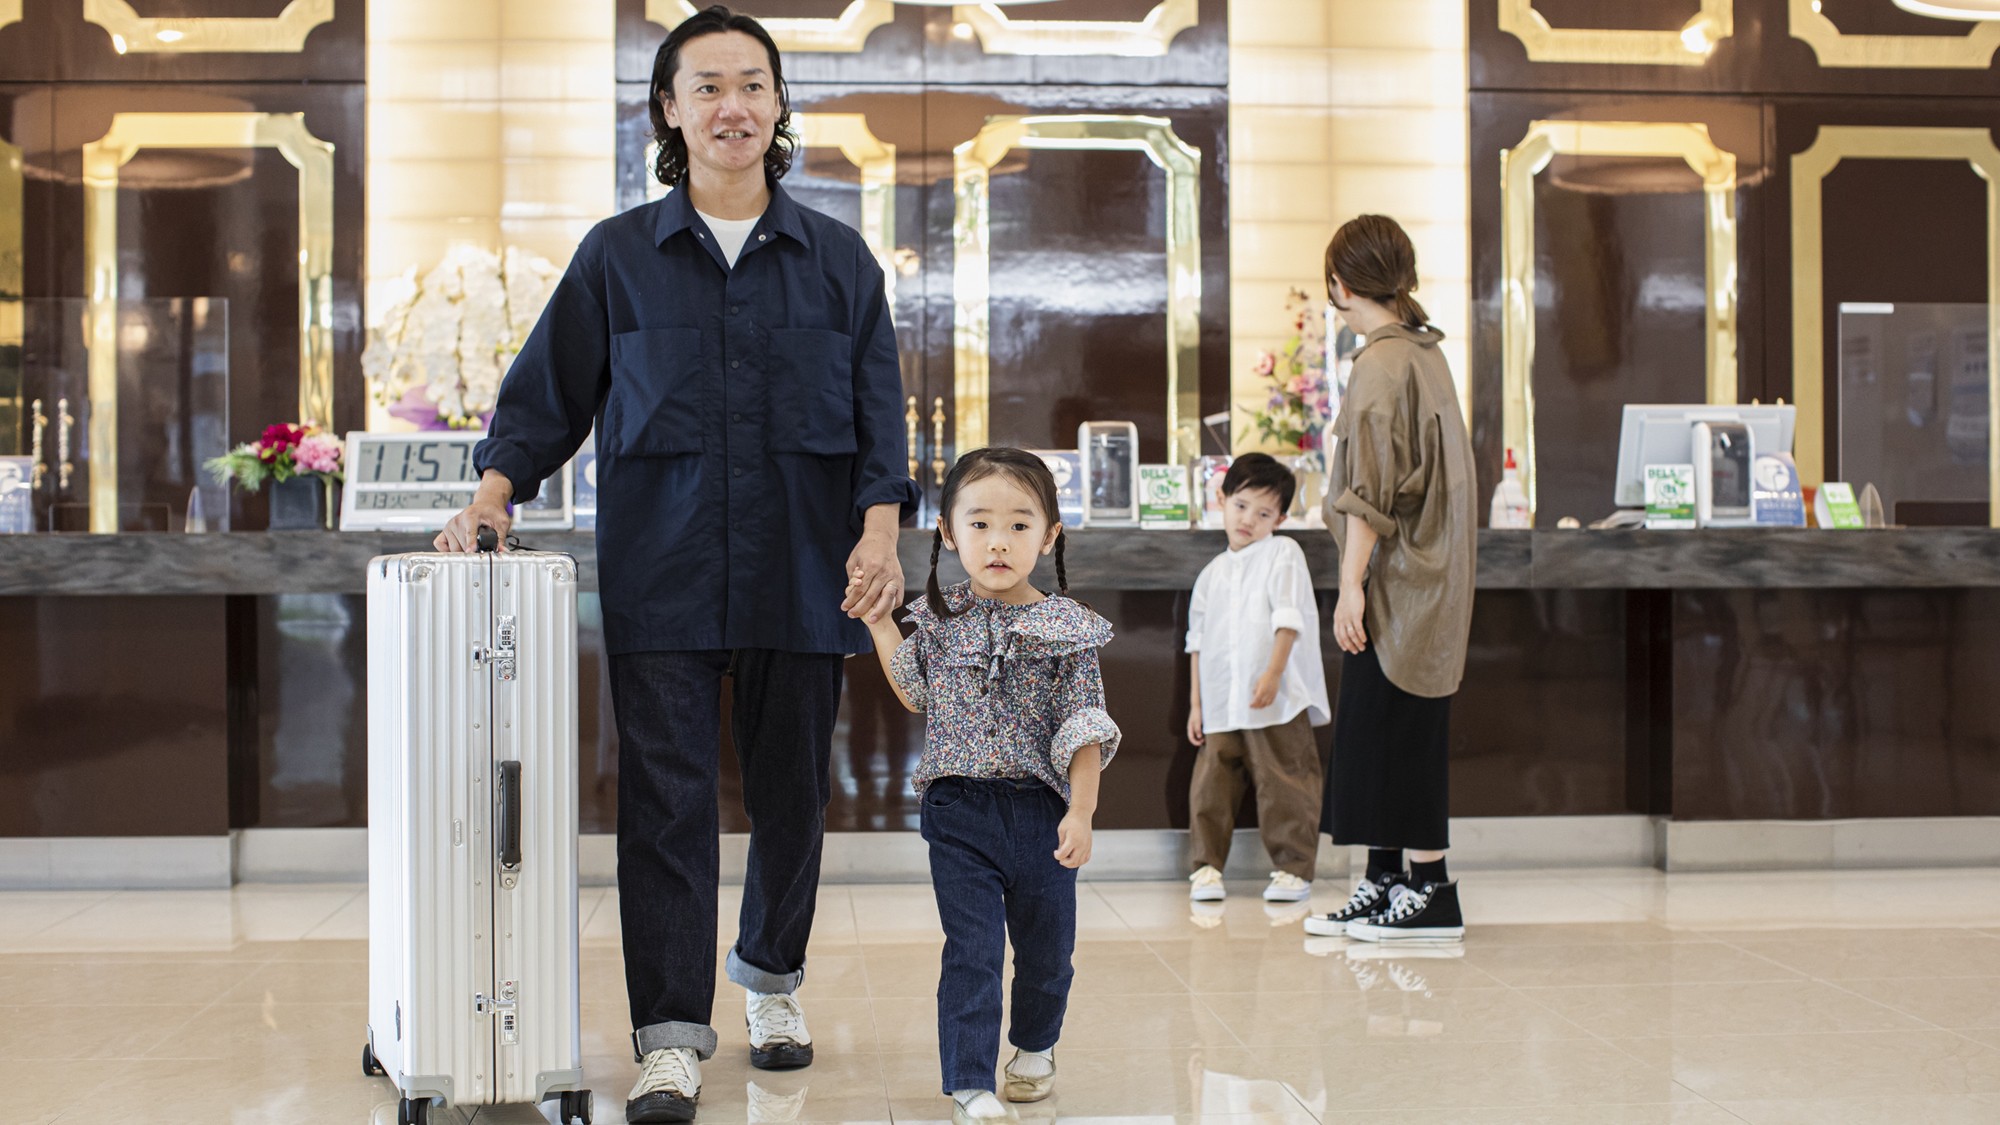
{"points": [[908, 667], [1289, 589], [881, 463], [549, 399], [1373, 459], [1197, 613], [1079, 702]]}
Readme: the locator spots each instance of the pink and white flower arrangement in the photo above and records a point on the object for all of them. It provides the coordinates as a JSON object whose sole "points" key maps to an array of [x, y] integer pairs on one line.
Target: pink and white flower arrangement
{"points": [[1300, 405], [284, 452]]}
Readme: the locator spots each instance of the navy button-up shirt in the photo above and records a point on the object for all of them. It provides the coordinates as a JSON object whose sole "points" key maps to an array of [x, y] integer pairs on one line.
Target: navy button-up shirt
{"points": [[746, 419]]}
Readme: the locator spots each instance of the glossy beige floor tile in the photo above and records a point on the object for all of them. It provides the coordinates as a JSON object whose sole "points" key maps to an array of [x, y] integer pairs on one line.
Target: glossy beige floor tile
{"points": [[1906, 1109], [1860, 1064], [1954, 1002], [1579, 998], [1741, 1007]]}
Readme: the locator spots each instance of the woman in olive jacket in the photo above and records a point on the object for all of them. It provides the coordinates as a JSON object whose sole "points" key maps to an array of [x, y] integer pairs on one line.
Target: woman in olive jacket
{"points": [[1400, 503]]}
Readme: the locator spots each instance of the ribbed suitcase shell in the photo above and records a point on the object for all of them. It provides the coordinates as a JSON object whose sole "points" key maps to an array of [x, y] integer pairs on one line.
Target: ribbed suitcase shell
{"points": [[444, 925]]}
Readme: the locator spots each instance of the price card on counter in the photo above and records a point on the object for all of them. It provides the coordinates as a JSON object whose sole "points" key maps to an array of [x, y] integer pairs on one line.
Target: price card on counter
{"points": [[417, 481]]}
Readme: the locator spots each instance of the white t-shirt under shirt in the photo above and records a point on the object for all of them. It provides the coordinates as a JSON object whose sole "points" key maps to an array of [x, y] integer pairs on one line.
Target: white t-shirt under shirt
{"points": [[1240, 602], [730, 234]]}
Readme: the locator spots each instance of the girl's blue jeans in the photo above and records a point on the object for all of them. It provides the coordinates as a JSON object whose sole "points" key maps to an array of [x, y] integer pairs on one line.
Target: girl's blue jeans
{"points": [[993, 867]]}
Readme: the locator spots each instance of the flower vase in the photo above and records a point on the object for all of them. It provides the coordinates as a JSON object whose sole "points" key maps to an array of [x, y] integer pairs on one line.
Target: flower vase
{"points": [[298, 504]]}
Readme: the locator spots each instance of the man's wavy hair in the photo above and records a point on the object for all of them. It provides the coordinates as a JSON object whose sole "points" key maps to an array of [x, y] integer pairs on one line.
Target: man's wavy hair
{"points": [[670, 167]]}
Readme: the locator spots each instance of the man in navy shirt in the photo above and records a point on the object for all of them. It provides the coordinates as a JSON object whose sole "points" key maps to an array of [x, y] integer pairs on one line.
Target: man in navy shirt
{"points": [[734, 351]]}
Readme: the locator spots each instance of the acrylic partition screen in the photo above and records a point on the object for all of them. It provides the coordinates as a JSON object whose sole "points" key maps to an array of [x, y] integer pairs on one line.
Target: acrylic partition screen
{"points": [[107, 425], [1916, 409]]}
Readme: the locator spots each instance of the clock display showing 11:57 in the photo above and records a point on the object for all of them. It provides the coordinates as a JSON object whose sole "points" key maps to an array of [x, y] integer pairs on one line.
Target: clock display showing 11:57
{"points": [[416, 462]]}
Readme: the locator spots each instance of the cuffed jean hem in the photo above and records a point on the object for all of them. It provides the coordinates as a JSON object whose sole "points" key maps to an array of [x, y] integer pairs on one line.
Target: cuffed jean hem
{"points": [[757, 980], [657, 1036], [985, 1084]]}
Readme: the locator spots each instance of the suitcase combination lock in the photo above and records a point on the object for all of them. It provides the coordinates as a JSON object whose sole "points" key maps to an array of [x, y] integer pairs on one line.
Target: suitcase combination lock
{"points": [[501, 655], [502, 1006]]}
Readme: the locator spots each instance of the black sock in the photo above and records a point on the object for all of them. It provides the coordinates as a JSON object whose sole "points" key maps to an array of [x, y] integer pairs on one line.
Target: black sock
{"points": [[1433, 872], [1384, 861]]}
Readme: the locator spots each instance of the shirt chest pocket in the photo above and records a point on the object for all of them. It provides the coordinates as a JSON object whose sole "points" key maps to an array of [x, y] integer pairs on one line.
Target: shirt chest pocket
{"points": [[654, 405], [812, 392]]}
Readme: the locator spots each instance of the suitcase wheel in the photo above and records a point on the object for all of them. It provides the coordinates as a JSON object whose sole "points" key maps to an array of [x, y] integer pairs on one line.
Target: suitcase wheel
{"points": [[413, 1111], [575, 1107], [369, 1066]]}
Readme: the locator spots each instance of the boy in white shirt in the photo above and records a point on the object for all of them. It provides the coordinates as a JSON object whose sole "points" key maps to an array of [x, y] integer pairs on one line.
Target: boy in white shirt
{"points": [[1258, 689]]}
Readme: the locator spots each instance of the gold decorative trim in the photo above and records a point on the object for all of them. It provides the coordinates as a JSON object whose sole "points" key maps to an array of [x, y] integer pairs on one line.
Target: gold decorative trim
{"points": [[876, 159], [1809, 170], [1687, 140], [1002, 34], [972, 284], [1834, 47], [10, 12], [1689, 46], [284, 33], [846, 33], [102, 159]]}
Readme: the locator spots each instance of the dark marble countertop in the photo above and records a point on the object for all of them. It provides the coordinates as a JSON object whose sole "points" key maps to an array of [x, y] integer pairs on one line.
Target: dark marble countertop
{"points": [[313, 562]]}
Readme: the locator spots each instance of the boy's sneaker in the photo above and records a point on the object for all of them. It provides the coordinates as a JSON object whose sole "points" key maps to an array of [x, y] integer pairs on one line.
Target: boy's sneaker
{"points": [[669, 1086], [778, 1036], [1422, 914], [1205, 885], [1371, 896], [1286, 887]]}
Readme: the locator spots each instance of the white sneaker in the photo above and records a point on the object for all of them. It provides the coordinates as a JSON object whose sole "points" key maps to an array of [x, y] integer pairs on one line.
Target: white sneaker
{"points": [[669, 1086], [778, 1036], [1286, 887], [1206, 885]]}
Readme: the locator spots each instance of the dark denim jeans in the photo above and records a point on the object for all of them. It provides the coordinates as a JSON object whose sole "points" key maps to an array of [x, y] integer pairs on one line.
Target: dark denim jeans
{"points": [[993, 866], [668, 707]]}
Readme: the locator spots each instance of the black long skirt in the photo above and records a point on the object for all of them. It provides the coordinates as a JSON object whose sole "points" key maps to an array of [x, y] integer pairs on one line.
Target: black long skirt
{"points": [[1388, 785]]}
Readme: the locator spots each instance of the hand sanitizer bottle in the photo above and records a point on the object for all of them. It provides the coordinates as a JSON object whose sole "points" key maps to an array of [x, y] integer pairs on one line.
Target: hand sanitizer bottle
{"points": [[1510, 501]]}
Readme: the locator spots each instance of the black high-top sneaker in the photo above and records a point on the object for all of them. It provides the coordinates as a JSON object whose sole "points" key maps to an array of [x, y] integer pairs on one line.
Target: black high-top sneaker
{"points": [[1416, 914], [1371, 896]]}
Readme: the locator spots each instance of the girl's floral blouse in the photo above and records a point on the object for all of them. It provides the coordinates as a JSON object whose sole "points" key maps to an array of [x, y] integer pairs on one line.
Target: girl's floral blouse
{"points": [[1007, 690]]}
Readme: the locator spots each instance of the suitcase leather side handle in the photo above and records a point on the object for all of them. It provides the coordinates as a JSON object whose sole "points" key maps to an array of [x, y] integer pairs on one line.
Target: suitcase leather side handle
{"points": [[510, 816]]}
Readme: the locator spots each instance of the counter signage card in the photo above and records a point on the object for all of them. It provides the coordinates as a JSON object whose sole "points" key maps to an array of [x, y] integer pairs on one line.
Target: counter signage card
{"points": [[1669, 496], [1163, 498], [1066, 465], [17, 495], [1775, 497], [1837, 508]]}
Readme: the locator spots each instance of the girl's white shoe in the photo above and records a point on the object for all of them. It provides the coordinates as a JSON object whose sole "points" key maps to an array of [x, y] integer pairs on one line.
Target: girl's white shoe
{"points": [[1286, 887], [1205, 885], [1031, 1076], [977, 1107]]}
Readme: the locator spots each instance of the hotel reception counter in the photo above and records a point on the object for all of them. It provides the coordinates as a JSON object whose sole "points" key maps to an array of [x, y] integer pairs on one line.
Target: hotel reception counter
{"points": [[191, 685]]}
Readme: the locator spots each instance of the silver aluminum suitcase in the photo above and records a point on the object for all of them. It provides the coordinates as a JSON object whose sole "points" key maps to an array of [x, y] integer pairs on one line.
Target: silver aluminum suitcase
{"points": [[472, 825]]}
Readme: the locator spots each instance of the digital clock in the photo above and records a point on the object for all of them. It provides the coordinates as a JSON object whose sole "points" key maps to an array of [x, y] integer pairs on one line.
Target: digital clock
{"points": [[417, 481]]}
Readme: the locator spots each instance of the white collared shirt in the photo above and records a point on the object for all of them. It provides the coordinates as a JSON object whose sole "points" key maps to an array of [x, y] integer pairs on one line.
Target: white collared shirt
{"points": [[1241, 601]]}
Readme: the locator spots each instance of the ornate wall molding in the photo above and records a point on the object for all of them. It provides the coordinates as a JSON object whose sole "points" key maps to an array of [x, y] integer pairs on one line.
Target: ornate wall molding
{"points": [[1685, 140], [971, 280], [1810, 168], [102, 160], [1835, 48], [1002, 34], [284, 33], [846, 33], [1689, 46]]}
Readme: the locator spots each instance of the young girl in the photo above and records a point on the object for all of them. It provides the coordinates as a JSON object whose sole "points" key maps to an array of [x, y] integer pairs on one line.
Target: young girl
{"points": [[1015, 735]]}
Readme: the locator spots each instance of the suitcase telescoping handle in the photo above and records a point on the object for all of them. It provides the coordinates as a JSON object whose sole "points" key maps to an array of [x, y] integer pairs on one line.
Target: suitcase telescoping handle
{"points": [[510, 816]]}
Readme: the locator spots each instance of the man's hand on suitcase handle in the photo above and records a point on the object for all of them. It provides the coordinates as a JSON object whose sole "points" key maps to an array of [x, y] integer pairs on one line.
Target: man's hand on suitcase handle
{"points": [[488, 509]]}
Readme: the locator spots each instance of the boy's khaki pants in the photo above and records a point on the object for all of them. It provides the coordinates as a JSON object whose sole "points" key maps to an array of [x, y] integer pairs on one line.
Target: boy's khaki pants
{"points": [[1283, 762]]}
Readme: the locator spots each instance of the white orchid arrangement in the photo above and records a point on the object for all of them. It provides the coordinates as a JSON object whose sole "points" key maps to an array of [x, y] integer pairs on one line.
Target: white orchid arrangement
{"points": [[445, 341]]}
